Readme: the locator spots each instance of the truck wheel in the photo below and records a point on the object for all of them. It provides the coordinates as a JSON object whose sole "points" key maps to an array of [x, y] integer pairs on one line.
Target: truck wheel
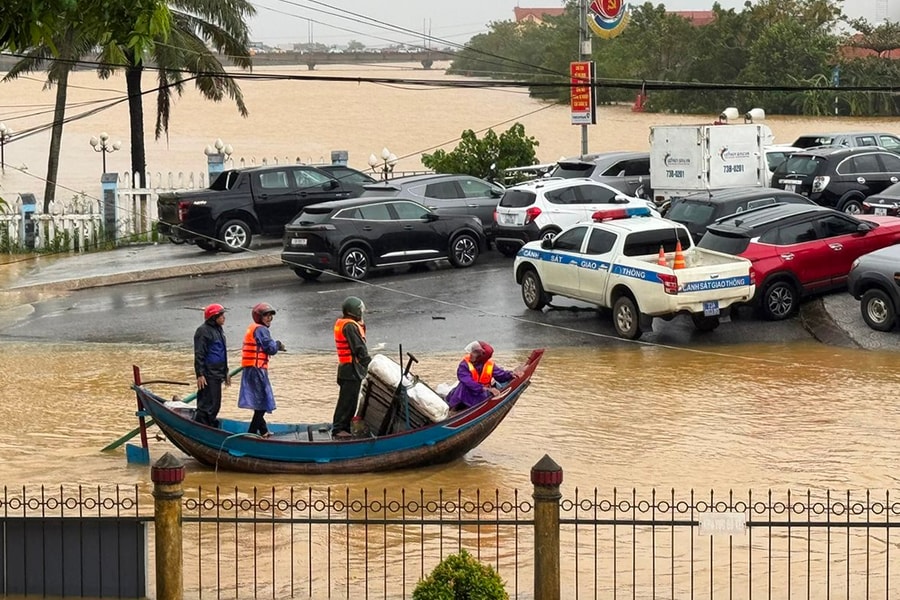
{"points": [[533, 294], [779, 300], [626, 318], [307, 274], [235, 236], [463, 251], [355, 264], [207, 245], [877, 310], [704, 323]]}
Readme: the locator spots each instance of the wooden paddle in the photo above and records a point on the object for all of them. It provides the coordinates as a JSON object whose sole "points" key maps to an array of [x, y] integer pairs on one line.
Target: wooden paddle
{"points": [[187, 400]]}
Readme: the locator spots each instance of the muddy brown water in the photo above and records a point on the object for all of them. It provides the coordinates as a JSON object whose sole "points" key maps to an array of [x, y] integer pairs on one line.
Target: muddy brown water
{"points": [[744, 416]]}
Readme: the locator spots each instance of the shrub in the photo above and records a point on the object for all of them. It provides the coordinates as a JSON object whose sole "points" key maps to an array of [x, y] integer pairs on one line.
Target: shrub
{"points": [[461, 577]]}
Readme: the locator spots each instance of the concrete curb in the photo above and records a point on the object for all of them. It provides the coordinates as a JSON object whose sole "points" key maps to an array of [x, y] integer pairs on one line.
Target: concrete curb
{"points": [[818, 322]]}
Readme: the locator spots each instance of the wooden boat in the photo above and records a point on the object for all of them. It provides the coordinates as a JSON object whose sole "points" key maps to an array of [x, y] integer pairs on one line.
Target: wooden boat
{"points": [[407, 438]]}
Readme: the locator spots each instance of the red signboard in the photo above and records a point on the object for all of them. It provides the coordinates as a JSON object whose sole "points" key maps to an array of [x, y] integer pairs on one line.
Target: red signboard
{"points": [[582, 101]]}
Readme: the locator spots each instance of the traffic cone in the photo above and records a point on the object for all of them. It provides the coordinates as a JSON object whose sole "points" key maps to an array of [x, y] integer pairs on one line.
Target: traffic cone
{"points": [[679, 257], [662, 258]]}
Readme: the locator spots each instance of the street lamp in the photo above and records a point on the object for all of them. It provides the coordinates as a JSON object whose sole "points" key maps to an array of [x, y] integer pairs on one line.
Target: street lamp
{"points": [[103, 146], [387, 162], [5, 135], [216, 155]]}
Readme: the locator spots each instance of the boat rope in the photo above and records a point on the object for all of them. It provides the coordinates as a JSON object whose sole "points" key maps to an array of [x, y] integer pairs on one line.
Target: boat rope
{"points": [[225, 441]]}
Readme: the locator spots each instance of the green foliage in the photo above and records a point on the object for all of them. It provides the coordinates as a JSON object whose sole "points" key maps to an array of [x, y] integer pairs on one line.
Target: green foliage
{"points": [[487, 156], [461, 577]]}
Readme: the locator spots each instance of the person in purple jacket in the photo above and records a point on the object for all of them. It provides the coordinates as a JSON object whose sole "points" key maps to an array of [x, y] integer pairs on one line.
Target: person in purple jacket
{"points": [[476, 374]]}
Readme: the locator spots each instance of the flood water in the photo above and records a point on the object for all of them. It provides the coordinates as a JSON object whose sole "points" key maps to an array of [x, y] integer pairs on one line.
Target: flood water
{"points": [[745, 416]]}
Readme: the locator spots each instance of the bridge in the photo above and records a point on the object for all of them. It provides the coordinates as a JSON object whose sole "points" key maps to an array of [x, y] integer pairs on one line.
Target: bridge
{"points": [[311, 59]]}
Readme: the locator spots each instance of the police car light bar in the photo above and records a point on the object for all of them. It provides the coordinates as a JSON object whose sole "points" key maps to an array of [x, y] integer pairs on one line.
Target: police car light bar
{"points": [[620, 213]]}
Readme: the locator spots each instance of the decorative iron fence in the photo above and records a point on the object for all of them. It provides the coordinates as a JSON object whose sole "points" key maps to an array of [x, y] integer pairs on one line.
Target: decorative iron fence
{"points": [[317, 543]]}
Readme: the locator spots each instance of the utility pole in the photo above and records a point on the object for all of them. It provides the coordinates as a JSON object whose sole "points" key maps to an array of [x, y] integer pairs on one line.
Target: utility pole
{"points": [[584, 53]]}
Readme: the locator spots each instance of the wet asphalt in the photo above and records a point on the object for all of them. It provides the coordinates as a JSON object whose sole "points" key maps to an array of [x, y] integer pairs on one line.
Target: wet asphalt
{"points": [[832, 319]]}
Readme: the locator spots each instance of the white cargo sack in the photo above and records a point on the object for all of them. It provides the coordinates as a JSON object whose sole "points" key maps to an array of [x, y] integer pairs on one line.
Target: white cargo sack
{"points": [[423, 397]]}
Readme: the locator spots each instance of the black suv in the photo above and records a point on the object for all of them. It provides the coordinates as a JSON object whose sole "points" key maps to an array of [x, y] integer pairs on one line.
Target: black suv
{"points": [[839, 178], [696, 211]]}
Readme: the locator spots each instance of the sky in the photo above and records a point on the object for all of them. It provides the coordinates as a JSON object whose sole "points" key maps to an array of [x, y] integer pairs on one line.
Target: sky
{"points": [[375, 24]]}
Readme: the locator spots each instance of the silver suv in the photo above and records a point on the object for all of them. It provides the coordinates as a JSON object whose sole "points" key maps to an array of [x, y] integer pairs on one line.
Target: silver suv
{"points": [[625, 171], [541, 208]]}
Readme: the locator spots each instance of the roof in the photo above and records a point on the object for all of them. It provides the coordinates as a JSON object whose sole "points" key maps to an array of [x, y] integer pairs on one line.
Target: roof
{"points": [[729, 194], [698, 18], [633, 224], [749, 222], [350, 202], [552, 183], [606, 156], [832, 150], [536, 15], [408, 179]]}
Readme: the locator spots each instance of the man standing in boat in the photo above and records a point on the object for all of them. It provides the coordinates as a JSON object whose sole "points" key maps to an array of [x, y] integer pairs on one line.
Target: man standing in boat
{"points": [[256, 390], [353, 363], [210, 365]]}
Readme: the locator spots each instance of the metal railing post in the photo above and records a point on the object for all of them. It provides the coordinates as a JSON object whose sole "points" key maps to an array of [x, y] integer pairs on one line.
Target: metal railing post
{"points": [[168, 488], [546, 476]]}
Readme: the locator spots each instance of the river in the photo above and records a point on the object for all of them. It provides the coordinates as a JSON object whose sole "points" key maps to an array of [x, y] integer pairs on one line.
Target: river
{"points": [[795, 415]]}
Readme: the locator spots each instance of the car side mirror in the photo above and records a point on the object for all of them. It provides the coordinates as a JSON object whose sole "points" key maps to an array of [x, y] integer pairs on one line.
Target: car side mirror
{"points": [[429, 217], [620, 199], [495, 193], [331, 184], [865, 227], [547, 244]]}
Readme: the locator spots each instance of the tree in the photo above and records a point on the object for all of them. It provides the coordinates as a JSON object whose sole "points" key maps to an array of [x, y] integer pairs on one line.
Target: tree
{"points": [[354, 46], [487, 156], [181, 54], [97, 22]]}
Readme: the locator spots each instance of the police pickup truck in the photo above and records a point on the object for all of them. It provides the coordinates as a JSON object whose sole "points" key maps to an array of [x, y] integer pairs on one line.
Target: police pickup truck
{"points": [[615, 262]]}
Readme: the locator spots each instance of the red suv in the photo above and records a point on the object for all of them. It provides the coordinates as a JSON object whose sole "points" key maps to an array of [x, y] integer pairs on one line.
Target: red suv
{"points": [[798, 249]]}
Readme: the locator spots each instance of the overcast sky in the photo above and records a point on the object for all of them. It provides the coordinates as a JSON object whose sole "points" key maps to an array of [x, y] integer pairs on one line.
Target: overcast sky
{"points": [[388, 22]]}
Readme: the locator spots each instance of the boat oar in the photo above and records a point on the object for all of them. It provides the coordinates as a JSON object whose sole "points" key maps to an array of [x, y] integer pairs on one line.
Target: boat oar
{"points": [[187, 399]]}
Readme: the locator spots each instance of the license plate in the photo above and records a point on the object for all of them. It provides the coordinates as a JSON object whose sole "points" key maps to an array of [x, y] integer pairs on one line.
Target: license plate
{"points": [[881, 212], [711, 308], [509, 218], [298, 241], [790, 187]]}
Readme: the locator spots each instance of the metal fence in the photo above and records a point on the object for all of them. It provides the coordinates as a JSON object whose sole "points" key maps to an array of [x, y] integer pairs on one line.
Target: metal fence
{"points": [[318, 543]]}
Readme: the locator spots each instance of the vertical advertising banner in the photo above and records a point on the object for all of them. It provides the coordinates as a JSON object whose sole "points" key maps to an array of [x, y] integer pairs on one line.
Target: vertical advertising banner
{"points": [[582, 100]]}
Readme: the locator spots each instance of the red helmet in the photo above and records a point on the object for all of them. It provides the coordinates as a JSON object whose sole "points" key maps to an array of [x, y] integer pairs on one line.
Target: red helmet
{"points": [[213, 310], [260, 310]]}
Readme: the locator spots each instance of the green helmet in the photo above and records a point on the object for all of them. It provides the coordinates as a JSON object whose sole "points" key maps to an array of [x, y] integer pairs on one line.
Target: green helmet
{"points": [[353, 307]]}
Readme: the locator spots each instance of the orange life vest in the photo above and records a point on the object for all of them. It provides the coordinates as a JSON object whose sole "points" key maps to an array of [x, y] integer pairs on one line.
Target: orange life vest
{"points": [[340, 340], [252, 354], [487, 371]]}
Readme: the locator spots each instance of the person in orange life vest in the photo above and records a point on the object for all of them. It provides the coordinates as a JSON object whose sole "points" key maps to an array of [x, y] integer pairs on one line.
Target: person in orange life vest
{"points": [[210, 365], [256, 391], [353, 363], [476, 373]]}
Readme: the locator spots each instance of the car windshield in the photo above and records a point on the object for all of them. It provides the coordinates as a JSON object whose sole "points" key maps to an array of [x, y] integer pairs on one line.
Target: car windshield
{"points": [[571, 170], [517, 198], [697, 213], [799, 164], [729, 244], [312, 215]]}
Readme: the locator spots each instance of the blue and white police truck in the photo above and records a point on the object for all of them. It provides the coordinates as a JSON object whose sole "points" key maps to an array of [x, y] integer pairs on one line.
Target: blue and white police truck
{"points": [[615, 261]]}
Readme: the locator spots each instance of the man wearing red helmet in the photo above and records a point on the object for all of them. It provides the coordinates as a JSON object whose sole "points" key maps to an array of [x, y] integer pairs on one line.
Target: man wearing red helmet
{"points": [[210, 365]]}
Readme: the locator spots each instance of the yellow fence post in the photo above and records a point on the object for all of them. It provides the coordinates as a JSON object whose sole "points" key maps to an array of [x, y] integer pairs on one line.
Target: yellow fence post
{"points": [[167, 475], [546, 476]]}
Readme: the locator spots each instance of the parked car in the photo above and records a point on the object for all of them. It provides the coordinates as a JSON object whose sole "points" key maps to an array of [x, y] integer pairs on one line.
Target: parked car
{"points": [[353, 237], [874, 280], [840, 178], [242, 203], [445, 194], [884, 203], [628, 172], [798, 250], [349, 177], [541, 208], [697, 211], [851, 139], [775, 155]]}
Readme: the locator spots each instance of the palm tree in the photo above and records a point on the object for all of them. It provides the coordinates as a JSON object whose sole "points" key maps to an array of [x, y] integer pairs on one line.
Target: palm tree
{"points": [[70, 44], [181, 56]]}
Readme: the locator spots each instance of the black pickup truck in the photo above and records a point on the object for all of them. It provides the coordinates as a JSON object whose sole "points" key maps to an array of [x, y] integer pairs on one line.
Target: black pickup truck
{"points": [[242, 203]]}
